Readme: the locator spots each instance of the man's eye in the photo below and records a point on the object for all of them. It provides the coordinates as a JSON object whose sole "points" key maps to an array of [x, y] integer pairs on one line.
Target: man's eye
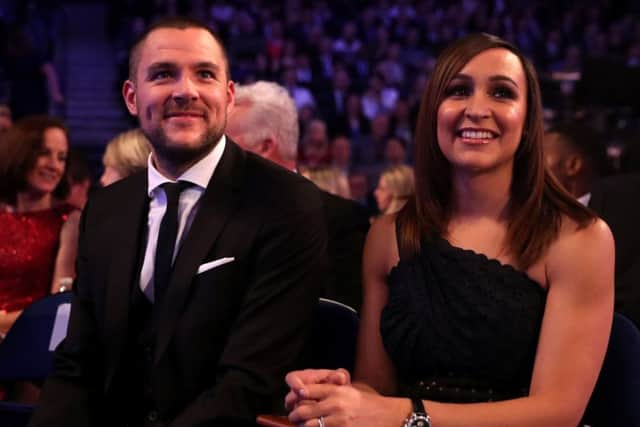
{"points": [[206, 74], [458, 91], [160, 75]]}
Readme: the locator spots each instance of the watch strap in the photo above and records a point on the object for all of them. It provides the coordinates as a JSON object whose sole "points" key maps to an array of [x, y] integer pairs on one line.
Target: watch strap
{"points": [[418, 406]]}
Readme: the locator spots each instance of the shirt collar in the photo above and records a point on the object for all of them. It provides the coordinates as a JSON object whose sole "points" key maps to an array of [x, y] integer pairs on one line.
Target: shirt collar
{"points": [[199, 174], [585, 199]]}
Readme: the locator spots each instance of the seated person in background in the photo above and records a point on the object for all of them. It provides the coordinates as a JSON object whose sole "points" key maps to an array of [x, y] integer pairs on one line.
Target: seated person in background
{"points": [[265, 121], [125, 155], [38, 230], [329, 179], [617, 200], [395, 186], [491, 284], [79, 178], [576, 156]]}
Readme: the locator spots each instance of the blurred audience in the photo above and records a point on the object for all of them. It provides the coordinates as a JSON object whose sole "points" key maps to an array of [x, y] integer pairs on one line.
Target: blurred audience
{"points": [[127, 153], [38, 230]]}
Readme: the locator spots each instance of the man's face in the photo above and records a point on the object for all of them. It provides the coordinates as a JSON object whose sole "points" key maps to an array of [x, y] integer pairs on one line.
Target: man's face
{"points": [[180, 93]]}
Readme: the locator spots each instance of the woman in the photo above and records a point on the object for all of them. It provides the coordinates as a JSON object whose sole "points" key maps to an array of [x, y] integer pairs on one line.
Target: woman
{"points": [[38, 231], [395, 186], [501, 284], [125, 154]]}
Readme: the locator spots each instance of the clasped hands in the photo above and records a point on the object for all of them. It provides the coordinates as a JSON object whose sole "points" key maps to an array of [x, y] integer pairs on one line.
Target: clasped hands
{"points": [[316, 393]]}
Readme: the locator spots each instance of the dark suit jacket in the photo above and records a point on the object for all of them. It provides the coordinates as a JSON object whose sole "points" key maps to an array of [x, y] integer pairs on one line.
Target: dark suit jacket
{"points": [[225, 338], [617, 200], [348, 223]]}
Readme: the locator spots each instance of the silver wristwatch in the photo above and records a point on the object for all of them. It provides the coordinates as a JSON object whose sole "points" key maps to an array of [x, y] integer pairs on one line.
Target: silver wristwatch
{"points": [[419, 416]]}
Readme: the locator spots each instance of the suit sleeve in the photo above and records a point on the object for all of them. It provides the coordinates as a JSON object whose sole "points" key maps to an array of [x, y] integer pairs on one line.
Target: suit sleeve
{"points": [[274, 320], [66, 398]]}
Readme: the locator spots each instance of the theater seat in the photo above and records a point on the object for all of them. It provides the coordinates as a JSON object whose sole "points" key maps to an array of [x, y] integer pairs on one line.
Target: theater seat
{"points": [[26, 353], [616, 398]]}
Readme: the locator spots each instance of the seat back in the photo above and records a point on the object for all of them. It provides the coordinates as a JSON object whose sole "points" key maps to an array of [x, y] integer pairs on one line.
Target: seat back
{"points": [[26, 353], [616, 397], [334, 334]]}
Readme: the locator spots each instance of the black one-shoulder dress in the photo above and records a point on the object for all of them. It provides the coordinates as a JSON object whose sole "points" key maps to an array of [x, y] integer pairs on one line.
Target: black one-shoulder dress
{"points": [[460, 327]]}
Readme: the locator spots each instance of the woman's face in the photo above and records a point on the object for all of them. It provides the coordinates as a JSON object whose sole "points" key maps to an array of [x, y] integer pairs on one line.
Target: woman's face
{"points": [[48, 168], [482, 115], [383, 195]]}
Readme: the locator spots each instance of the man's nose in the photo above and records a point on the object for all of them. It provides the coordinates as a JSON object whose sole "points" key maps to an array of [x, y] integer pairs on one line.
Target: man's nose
{"points": [[185, 90]]}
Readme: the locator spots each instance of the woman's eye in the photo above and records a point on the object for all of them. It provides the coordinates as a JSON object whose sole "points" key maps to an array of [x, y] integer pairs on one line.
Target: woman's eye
{"points": [[503, 92], [458, 91]]}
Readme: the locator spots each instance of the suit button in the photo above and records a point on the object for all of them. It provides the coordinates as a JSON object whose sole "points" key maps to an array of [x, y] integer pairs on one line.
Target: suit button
{"points": [[147, 354], [152, 416]]}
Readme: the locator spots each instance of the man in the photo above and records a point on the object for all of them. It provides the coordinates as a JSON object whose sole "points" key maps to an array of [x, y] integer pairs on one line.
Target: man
{"points": [[207, 339], [265, 121], [576, 156]]}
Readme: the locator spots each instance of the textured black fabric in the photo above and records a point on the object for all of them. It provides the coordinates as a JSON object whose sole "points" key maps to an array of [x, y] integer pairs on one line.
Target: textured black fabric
{"points": [[461, 327]]}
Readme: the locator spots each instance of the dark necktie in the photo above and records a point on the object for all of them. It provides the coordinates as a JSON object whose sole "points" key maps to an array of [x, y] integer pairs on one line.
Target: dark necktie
{"points": [[167, 238]]}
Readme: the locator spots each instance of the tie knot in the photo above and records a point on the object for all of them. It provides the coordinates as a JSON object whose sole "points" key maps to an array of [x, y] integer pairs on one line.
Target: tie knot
{"points": [[173, 190]]}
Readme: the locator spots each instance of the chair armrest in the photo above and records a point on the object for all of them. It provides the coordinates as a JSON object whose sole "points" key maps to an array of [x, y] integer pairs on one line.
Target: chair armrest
{"points": [[266, 420]]}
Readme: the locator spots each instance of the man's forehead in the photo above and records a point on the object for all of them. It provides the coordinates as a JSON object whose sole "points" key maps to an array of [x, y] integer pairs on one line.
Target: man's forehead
{"points": [[176, 43]]}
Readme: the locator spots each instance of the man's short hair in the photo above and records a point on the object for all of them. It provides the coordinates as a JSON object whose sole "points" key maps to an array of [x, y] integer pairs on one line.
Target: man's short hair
{"points": [[581, 138], [180, 23], [270, 111]]}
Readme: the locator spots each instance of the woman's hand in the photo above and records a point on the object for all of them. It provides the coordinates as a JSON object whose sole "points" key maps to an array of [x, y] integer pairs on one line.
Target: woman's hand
{"points": [[299, 380], [347, 405]]}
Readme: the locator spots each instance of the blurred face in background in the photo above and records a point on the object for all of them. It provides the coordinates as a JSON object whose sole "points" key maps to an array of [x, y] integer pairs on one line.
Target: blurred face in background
{"points": [[50, 162], [383, 195]]}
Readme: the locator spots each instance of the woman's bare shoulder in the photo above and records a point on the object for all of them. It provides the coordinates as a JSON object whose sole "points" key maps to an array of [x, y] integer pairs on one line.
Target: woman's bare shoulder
{"points": [[581, 250], [381, 248]]}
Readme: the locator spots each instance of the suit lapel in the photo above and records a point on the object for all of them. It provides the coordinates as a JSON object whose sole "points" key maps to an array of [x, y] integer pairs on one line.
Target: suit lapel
{"points": [[217, 203], [131, 228]]}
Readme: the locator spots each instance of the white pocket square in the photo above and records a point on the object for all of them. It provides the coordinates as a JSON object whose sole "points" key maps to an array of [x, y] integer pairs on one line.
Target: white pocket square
{"points": [[215, 263]]}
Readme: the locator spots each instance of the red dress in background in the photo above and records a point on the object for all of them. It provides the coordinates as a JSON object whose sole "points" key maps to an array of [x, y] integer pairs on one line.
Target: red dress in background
{"points": [[28, 246]]}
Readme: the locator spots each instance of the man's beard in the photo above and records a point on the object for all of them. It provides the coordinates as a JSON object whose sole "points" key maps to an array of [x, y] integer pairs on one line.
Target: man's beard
{"points": [[179, 155]]}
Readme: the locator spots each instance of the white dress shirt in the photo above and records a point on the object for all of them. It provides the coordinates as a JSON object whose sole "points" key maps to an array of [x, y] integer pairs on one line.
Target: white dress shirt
{"points": [[198, 175]]}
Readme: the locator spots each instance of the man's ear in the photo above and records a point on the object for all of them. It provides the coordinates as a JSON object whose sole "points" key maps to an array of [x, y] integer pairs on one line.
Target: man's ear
{"points": [[574, 165], [129, 95], [267, 147], [231, 95]]}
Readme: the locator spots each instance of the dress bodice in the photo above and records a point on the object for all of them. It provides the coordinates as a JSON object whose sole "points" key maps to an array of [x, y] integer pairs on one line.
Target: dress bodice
{"points": [[461, 327], [28, 246]]}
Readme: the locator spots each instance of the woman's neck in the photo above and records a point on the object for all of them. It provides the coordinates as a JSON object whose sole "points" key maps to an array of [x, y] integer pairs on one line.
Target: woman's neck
{"points": [[482, 195], [30, 201]]}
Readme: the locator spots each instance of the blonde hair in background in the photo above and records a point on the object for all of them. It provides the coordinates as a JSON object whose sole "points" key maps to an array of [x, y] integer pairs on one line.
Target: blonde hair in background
{"points": [[401, 183], [127, 152], [329, 179]]}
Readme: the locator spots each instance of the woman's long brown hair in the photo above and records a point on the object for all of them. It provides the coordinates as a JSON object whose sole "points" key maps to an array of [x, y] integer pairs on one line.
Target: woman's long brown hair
{"points": [[537, 200]]}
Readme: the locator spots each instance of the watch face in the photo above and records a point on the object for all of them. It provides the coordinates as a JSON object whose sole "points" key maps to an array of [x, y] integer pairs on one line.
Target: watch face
{"points": [[418, 420]]}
